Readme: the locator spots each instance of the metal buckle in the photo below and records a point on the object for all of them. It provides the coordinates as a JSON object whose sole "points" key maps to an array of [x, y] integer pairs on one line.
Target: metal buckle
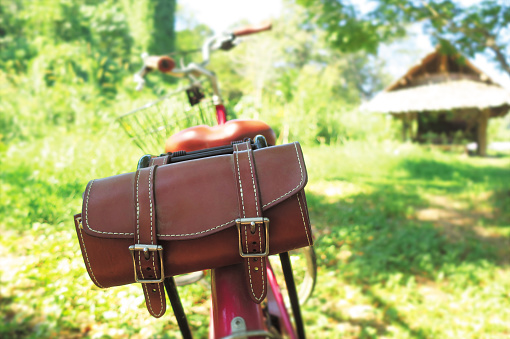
{"points": [[253, 222], [146, 249]]}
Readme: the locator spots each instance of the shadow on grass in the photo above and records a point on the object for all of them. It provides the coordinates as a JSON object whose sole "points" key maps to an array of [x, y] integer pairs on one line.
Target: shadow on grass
{"points": [[381, 237], [501, 200], [9, 326], [459, 172], [457, 177]]}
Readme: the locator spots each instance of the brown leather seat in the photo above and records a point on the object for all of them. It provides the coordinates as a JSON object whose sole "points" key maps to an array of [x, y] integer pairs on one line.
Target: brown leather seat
{"points": [[200, 137]]}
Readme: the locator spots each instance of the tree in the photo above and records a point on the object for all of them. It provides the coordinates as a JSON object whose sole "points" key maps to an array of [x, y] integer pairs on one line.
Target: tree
{"points": [[292, 80], [483, 27], [151, 24], [163, 32]]}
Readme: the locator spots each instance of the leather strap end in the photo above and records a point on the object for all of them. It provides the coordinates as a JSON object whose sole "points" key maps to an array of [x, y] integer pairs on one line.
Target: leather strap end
{"points": [[256, 272], [155, 299], [254, 241]]}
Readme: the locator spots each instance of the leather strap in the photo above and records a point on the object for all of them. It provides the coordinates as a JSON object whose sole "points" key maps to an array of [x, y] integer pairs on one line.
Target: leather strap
{"points": [[252, 237], [147, 263], [159, 161]]}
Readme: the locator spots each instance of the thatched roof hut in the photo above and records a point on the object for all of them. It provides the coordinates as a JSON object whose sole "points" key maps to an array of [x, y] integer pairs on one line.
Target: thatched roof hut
{"points": [[444, 95]]}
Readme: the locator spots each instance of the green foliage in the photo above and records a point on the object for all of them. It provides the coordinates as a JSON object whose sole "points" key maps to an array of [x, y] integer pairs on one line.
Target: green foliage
{"points": [[61, 68], [83, 50], [15, 47], [302, 88], [189, 41], [349, 29], [109, 29], [499, 129], [163, 30], [480, 27], [473, 29]]}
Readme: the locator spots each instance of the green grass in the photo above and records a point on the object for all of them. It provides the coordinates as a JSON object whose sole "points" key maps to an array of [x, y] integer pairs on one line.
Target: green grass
{"points": [[424, 242], [411, 243]]}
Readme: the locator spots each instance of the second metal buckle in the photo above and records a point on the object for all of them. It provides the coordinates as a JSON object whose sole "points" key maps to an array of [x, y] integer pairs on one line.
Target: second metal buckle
{"points": [[146, 249], [252, 222]]}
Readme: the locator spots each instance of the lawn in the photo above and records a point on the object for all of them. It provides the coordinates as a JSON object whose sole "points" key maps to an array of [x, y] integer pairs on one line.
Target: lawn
{"points": [[411, 243]]}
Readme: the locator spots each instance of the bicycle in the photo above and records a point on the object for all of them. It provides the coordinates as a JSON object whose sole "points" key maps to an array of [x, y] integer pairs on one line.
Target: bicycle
{"points": [[233, 313]]}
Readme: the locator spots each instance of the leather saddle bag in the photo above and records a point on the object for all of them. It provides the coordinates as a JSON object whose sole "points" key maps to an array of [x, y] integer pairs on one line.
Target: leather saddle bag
{"points": [[175, 217]]}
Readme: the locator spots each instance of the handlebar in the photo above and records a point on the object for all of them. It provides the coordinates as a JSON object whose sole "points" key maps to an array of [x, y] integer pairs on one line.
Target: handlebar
{"points": [[264, 26], [166, 64]]}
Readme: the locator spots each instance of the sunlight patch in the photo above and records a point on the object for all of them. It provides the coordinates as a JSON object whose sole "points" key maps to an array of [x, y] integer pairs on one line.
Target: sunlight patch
{"points": [[336, 188]]}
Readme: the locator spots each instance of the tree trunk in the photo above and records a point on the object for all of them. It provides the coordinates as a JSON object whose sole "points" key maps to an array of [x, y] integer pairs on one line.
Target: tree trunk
{"points": [[163, 33]]}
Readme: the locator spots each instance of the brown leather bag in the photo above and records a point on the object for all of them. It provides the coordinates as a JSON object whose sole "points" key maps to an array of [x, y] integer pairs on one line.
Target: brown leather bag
{"points": [[169, 219]]}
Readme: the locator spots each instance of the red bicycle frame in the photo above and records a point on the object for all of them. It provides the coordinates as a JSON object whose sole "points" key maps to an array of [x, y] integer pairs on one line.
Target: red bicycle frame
{"points": [[221, 114], [233, 312]]}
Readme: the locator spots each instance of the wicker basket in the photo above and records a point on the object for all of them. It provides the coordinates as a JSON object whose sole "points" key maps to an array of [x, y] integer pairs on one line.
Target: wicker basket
{"points": [[150, 125]]}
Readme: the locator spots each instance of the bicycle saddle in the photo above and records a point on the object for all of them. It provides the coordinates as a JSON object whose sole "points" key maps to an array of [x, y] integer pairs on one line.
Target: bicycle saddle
{"points": [[202, 136]]}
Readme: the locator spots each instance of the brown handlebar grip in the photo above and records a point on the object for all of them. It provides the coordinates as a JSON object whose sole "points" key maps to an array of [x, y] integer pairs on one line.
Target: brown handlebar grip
{"points": [[164, 63], [264, 26]]}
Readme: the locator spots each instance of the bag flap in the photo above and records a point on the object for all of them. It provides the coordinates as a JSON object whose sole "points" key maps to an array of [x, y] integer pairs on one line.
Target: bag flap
{"points": [[193, 198]]}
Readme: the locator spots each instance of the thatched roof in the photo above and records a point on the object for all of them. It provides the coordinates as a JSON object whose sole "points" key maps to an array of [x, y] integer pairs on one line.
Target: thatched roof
{"points": [[441, 83]]}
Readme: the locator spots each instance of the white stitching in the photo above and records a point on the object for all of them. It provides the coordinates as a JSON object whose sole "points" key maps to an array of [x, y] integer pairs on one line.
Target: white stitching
{"points": [[246, 239], [304, 223], [210, 229], [246, 228], [160, 299], [261, 265], [88, 261], [147, 298], [137, 208], [86, 221], [150, 204], [152, 240], [138, 222], [248, 260], [158, 284], [239, 177], [253, 181], [248, 250], [292, 190], [150, 217], [196, 233], [87, 202]]}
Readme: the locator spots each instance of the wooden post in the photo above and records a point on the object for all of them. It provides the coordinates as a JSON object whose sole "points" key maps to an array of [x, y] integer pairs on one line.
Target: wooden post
{"points": [[412, 126], [405, 126], [481, 137], [443, 66]]}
